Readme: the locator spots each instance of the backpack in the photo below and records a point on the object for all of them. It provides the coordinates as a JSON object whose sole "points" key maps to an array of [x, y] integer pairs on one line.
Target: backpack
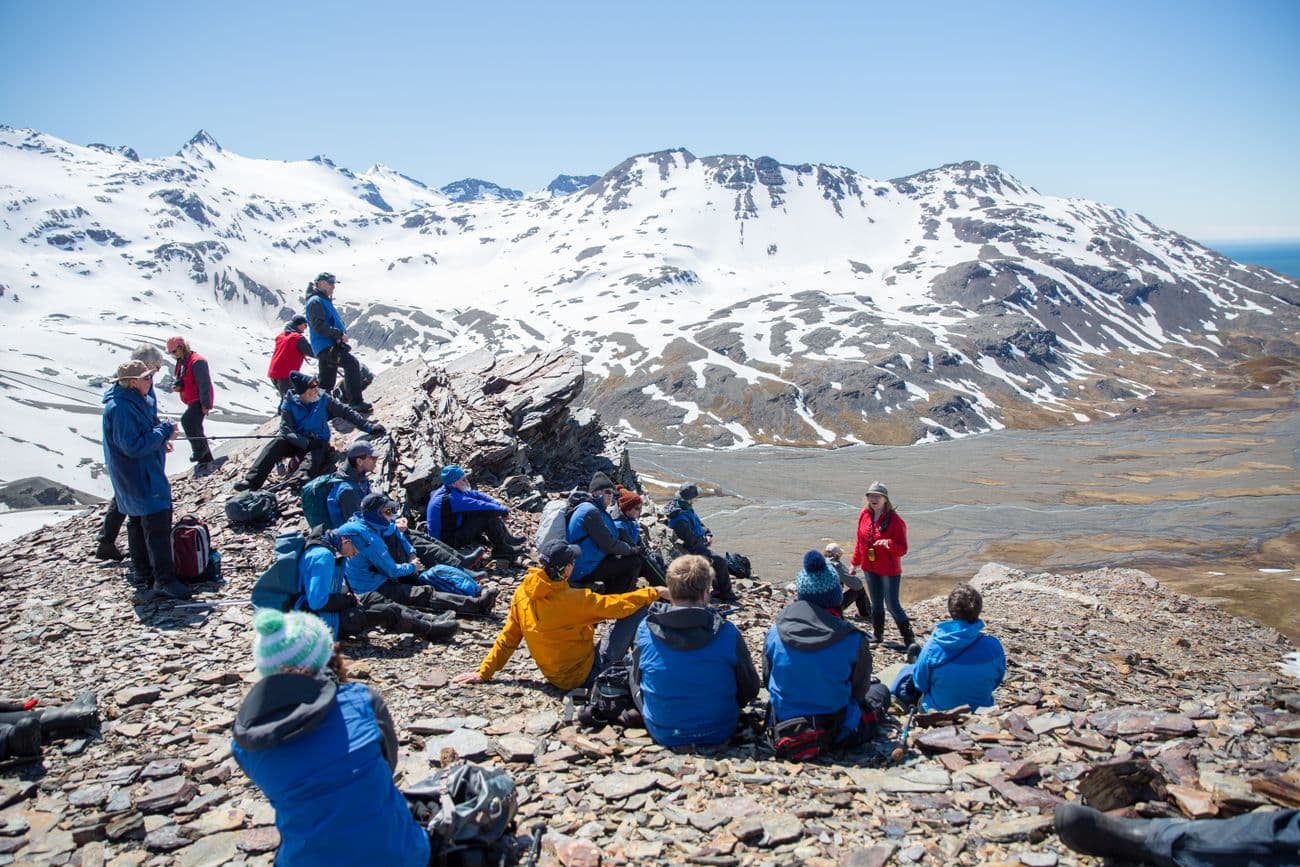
{"points": [[279, 586], [554, 523], [191, 549], [802, 738], [252, 507], [738, 565], [315, 497], [611, 694], [468, 811], [449, 579]]}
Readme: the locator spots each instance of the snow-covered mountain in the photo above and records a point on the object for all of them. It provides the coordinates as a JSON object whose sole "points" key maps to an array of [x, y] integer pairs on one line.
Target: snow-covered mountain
{"points": [[720, 300]]}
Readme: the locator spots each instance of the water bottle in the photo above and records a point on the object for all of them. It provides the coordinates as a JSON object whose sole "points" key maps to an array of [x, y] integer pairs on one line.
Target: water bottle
{"points": [[216, 566]]}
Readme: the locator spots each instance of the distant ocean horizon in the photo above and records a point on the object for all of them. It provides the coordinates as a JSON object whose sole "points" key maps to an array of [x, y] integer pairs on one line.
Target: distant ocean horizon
{"points": [[1281, 256]]}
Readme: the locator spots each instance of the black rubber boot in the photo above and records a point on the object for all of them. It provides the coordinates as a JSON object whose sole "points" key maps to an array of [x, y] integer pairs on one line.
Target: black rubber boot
{"points": [[172, 589], [471, 558], [71, 719], [109, 551], [905, 628], [487, 600], [852, 597], [864, 606], [21, 739], [434, 627], [1092, 832]]}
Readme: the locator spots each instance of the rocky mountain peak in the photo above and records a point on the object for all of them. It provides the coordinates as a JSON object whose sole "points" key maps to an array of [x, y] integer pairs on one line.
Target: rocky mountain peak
{"points": [[201, 139], [565, 185], [474, 189]]}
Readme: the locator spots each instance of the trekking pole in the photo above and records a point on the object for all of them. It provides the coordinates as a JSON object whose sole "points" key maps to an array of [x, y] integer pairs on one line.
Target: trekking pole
{"points": [[535, 849], [901, 749]]}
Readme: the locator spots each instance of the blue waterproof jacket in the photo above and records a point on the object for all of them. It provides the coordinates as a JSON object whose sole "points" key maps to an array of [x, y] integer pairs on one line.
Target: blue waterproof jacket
{"points": [[461, 502], [592, 529], [628, 529], [344, 500], [959, 665], [691, 675], [399, 547], [688, 527], [135, 452], [372, 565], [323, 753], [320, 574], [816, 664], [324, 325]]}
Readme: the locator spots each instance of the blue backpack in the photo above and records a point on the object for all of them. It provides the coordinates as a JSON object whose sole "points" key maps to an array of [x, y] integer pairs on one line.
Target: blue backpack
{"points": [[449, 579], [315, 500], [279, 586]]}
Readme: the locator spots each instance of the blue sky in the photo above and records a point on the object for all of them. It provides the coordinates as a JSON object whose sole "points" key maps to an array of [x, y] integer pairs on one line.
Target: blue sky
{"points": [[1183, 111]]}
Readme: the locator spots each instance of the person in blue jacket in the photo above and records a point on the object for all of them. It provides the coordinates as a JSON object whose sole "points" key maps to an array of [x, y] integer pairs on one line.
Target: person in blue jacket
{"points": [[106, 542], [959, 665], [305, 417], [322, 750], [343, 500], [135, 452], [696, 539], [817, 665], [378, 513], [607, 561], [329, 342], [461, 516], [691, 671], [373, 574]]}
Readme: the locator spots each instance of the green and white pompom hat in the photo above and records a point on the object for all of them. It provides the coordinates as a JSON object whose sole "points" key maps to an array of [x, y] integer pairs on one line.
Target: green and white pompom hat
{"points": [[292, 639]]}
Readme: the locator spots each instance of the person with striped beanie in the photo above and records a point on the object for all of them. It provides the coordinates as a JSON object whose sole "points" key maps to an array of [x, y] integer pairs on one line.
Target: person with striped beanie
{"points": [[320, 747]]}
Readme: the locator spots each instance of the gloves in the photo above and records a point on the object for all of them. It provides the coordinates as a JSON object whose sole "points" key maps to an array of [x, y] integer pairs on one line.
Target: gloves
{"points": [[377, 430], [297, 440]]}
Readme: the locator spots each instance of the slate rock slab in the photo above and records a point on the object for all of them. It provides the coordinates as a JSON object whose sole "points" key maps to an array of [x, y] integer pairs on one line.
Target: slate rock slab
{"points": [[465, 743], [618, 786]]}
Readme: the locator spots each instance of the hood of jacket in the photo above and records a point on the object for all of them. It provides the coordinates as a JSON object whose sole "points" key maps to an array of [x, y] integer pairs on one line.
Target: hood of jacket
{"points": [[313, 291], [804, 626], [538, 585], [577, 498], [951, 637], [281, 707], [683, 628]]}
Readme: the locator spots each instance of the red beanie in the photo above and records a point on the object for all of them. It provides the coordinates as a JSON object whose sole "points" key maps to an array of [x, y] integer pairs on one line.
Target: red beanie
{"points": [[628, 500]]}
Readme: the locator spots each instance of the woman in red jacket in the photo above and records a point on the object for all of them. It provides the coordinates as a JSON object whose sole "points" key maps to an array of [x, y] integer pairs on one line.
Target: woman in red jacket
{"points": [[882, 542], [291, 347]]}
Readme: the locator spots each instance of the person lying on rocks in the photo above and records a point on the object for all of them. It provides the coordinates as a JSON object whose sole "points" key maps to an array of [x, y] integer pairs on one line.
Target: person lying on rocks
{"points": [[409, 546], [558, 623], [322, 750], [1264, 838], [461, 516], [607, 564], [626, 513], [373, 571], [818, 667], [304, 431], [325, 593], [959, 665], [855, 593], [24, 723], [691, 671], [696, 539]]}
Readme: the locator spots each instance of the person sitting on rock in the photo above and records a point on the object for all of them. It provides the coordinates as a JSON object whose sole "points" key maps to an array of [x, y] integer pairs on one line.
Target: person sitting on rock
{"points": [[558, 623], [325, 593], [608, 564], [323, 751], [374, 572], [855, 593], [626, 514], [696, 539], [959, 665], [106, 542], [24, 723], [344, 499], [291, 347], [305, 418], [408, 546], [817, 666], [461, 516], [691, 671]]}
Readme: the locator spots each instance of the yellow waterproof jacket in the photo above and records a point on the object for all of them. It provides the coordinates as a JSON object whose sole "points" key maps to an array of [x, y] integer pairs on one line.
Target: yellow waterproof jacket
{"points": [[558, 622]]}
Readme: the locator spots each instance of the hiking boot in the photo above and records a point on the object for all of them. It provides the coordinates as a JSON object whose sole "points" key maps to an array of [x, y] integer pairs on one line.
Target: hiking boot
{"points": [[21, 739], [109, 551], [171, 589], [909, 638], [913, 651], [473, 559], [1092, 832], [507, 553], [243, 485], [587, 718], [437, 627], [80, 716], [487, 600]]}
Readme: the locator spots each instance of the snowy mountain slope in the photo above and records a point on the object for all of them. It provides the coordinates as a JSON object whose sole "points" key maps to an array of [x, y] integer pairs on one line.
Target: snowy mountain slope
{"points": [[719, 300]]}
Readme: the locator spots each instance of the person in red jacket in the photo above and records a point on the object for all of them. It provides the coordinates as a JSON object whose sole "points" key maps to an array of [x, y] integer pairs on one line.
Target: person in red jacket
{"points": [[194, 383], [882, 542], [291, 347]]}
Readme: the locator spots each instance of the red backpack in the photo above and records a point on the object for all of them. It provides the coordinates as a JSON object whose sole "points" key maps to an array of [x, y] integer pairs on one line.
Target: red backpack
{"points": [[191, 548]]}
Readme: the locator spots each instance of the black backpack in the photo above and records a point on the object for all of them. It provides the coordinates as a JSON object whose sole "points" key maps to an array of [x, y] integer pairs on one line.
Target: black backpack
{"points": [[252, 508], [611, 694], [469, 812], [738, 565]]}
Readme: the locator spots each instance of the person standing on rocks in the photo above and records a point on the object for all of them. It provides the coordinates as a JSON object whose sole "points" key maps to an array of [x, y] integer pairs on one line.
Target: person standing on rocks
{"points": [[135, 453], [329, 342], [696, 539], [818, 667], [854, 591], [305, 418], [881, 544], [606, 559], [106, 542], [558, 623], [193, 382], [323, 750], [461, 516], [691, 671], [959, 665], [325, 593], [291, 347]]}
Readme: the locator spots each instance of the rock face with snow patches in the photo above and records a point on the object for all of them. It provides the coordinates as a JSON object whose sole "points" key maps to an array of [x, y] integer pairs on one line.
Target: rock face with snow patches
{"points": [[718, 300]]}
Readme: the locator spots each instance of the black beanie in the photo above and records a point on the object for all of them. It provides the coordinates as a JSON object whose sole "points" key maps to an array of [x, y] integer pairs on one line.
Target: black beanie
{"points": [[599, 482]]}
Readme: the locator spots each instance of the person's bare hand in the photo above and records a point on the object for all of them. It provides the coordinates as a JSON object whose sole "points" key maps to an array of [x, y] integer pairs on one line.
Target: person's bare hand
{"points": [[174, 434], [884, 544], [168, 445], [467, 677]]}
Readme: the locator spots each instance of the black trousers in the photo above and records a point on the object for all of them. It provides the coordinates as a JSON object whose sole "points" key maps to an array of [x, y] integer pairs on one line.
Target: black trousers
{"points": [[192, 423], [421, 596], [475, 527], [281, 386], [149, 539], [432, 552], [618, 574], [113, 521], [278, 449], [375, 612], [327, 367], [721, 574]]}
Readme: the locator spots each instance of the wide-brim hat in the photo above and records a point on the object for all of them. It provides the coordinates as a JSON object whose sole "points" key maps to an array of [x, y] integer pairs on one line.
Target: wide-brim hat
{"points": [[133, 369]]}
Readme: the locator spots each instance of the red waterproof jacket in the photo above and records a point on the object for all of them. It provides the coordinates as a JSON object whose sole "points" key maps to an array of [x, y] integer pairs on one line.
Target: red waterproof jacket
{"points": [[196, 383], [288, 355], [887, 562]]}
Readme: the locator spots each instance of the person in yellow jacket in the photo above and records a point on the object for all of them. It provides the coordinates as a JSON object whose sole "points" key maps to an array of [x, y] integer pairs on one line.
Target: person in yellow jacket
{"points": [[559, 622]]}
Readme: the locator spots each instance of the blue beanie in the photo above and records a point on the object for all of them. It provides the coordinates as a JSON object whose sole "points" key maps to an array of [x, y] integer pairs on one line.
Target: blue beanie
{"points": [[818, 584], [451, 474]]}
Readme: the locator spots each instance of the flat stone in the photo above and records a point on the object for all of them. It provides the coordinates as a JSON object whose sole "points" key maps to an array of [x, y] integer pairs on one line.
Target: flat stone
{"points": [[1194, 803], [1087, 740], [1046, 722], [781, 828], [541, 723], [1026, 828], [516, 748], [1038, 859], [920, 778], [89, 796], [613, 787], [161, 769], [257, 840], [465, 743], [215, 821], [166, 795], [210, 851], [873, 856], [944, 740], [139, 695], [1024, 796], [574, 851], [122, 827], [167, 838], [15, 790], [119, 802]]}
